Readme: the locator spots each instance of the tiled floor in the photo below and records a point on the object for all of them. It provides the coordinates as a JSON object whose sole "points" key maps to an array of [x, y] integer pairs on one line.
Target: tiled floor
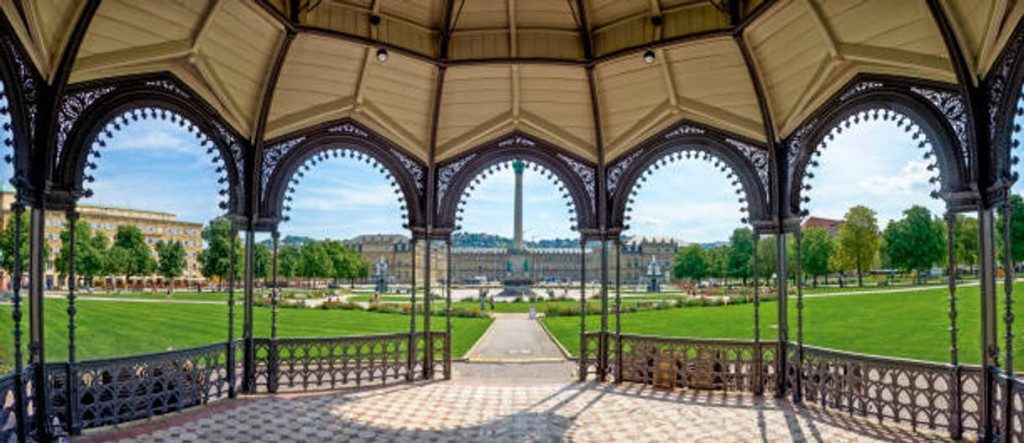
{"points": [[487, 410]]}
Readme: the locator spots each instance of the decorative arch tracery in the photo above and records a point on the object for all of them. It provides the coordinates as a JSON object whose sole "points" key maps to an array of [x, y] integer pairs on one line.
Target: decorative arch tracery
{"points": [[91, 113], [933, 113], [21, 89], [1005, 84], [749, 163], [577, 177], [283, 157]]}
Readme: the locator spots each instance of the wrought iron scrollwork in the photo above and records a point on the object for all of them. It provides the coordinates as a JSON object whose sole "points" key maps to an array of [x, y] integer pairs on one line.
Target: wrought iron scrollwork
{"points": [[759, 159], [586, 173], [29, 84], [447, 173], [272, 156], [72, 106], [952, 107], [415, 170], [618, 170]]}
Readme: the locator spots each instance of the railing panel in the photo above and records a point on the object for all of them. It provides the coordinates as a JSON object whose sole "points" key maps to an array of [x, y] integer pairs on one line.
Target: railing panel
{"points": [[117, 390], [307, 364], [698, 363]]}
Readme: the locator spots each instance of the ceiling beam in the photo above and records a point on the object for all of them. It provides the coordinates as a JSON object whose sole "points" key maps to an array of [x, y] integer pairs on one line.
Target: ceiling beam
{"points": [[444, 40], [254, 156], [826, 32], [766, 119]]}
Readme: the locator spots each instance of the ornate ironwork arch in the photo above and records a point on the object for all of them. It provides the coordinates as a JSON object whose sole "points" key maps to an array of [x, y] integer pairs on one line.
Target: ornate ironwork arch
{"points": [[21, 89], [1004, 84], [578, 176], [934, 111], [90, 113], [283, 156], [748, 160]]}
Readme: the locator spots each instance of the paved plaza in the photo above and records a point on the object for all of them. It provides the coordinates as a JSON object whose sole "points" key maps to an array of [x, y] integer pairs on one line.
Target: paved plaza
{"points": [[515, 337], [474, 410]]}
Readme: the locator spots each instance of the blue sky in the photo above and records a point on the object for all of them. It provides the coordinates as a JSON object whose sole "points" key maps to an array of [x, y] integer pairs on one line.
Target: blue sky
{"points": [[156, 165]]}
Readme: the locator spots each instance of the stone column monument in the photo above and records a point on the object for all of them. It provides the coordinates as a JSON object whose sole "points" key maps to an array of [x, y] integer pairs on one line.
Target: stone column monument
{"points": [[517, 271]]}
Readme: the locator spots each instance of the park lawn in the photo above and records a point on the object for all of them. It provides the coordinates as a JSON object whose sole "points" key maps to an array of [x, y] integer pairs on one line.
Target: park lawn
{"points": [[906, 325], [383, 298], [160, 295], [107, 329]]}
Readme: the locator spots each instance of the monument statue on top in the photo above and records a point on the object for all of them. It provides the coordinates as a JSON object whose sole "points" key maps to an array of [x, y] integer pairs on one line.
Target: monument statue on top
{"points": [[517, 270], [380, 274], [654, 275]]}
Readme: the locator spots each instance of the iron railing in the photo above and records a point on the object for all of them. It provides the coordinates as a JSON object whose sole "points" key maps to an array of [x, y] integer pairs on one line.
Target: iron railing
{"points": [[8, 405]]}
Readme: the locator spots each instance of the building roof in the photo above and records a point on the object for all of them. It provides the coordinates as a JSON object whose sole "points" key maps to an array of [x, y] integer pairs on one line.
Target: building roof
{"points": [[832, 225], [555, 70]]}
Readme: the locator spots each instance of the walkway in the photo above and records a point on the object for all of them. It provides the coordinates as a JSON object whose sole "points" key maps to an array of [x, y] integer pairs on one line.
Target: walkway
{"points": [[515, 338], [495, 412]]}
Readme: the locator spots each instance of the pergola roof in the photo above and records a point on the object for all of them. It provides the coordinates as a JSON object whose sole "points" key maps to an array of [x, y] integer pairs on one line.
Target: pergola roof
{"points": [[516, 64]]}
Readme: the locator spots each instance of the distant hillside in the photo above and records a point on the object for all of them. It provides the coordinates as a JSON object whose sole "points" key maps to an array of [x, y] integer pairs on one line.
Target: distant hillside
{"points": [[481, 240], [290, 240]]}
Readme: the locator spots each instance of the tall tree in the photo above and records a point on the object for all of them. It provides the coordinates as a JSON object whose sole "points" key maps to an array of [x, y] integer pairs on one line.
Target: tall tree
{"points": [[315, 262], [766, 259], [134, 255], [718, 262], [965, 241], [7, 245], [215, 259], [90, 252], [817, 248], [171, 261], [1016, 230], [288, 258], [858, 241], [741, 250], [261, 261], [691, 263], [915, 242]]}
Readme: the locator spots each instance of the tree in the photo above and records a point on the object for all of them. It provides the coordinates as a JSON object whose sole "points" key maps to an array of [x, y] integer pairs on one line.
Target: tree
{"points": [[288, 258], [171, 260], [858, 241], [915, 242], [965, 241], [817, 247], [7, 245], [134, 255], [215, 260], [90, 252], [261, 261], [691, 262], [1016, 230], [766, 259], [718, 262], [315, 262], [741, 251], [342, 259]]}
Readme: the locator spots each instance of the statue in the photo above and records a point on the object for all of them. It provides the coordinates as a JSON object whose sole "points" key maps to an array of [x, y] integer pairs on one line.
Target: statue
{"points": [[654, 276], [380, 273]]}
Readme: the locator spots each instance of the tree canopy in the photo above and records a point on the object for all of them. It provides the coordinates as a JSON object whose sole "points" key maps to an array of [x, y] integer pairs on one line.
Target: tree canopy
{"points": [[858, 241], [691, 262], [916, 242]]}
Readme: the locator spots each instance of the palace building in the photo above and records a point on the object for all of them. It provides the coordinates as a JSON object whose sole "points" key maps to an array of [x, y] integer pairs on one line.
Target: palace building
{"points": [[155, 226]]}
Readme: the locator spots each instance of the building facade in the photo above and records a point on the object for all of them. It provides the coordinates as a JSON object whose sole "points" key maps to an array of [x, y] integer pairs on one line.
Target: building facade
{"points": [[396, 251], [155, 226]]}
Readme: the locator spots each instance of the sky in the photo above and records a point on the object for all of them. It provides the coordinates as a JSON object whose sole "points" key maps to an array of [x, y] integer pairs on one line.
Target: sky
{"points": [[156, 165]]}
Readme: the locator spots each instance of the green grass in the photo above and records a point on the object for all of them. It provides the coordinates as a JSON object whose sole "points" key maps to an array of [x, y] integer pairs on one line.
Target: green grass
{"points": [[383, 298], [908, 325], [162, 295], [116, 329]]}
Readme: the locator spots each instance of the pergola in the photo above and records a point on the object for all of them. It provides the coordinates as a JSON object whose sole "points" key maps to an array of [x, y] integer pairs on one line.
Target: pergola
{"points": [[437, 92]]}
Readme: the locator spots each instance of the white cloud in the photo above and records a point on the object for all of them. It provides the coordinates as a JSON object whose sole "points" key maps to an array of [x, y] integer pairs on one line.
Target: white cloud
{"points": [[912, 175]]}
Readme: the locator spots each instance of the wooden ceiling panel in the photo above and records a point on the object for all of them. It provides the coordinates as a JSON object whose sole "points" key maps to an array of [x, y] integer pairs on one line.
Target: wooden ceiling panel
{"points": [[601, 13], [50, 23], [317, 82], [712, 85], [791, 54], [430, 13], [546, 14], [630, 94], [476, 100], [402, 90], [481, 14], [559, 97]]}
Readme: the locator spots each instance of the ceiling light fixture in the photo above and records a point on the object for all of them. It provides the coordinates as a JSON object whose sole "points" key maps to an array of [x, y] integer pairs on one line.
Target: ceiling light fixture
{"points": [[382, 55], [649, 56]]}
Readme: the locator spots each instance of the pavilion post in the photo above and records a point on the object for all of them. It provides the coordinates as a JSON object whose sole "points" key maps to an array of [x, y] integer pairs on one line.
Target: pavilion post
{"points": [[955, 404], [36, 348], [989, 349], [583, 310], [275, 296], [783, 313], [1008, 319], [428, 343], [248, 353], [448, 309], [20, 408], [71, 406], [231, 312], [798, 383], [603, 342], [618, 309], [410, 362], [758, 354]]}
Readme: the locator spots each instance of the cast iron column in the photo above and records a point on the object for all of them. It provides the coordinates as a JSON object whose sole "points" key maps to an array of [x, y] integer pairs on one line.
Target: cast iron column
{"points": [[783, 313], [1008, 319], [233, 241], [989, 351], [36, 348], [20, 408], [759, 357], [798, 391], [410, 363], [618, 310], [603, 343], [275, 296], [428, 342], [71, 408], [583, 310], [448, 309], [249, 354], [956, 419]]}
